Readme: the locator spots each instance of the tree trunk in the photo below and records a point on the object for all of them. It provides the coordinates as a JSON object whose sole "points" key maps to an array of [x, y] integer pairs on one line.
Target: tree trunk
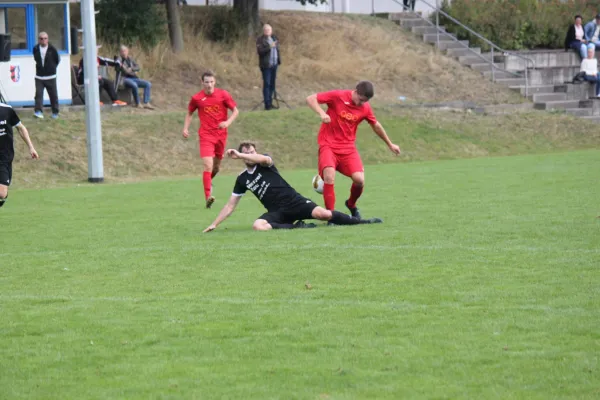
{"points": [[248, 12], [175, 32]]}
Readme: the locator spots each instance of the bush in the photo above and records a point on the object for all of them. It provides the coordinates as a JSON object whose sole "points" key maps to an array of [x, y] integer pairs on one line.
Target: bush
{"points": [[131, 21], [517, 24]]}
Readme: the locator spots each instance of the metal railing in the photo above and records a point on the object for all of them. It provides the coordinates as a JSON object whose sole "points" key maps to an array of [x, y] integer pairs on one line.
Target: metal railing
{"points": [[437, 9]]}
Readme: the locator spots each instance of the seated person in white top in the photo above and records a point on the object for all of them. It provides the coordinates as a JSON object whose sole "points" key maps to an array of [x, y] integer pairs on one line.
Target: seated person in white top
{"points": [[589, 65]]}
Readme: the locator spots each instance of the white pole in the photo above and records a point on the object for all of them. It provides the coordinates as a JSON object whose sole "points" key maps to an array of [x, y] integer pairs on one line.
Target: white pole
{"points": [[92, 93]]}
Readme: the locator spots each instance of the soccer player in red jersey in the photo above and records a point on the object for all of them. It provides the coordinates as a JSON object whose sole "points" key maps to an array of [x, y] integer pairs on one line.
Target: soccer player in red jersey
{"points": [[213, 105], [337, 149]]}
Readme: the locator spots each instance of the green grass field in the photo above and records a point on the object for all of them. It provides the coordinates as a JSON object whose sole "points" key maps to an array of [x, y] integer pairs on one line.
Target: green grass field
{"points": [[482, 283]]}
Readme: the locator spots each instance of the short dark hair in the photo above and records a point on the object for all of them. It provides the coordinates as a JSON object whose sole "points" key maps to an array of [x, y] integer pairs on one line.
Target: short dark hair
{"points": [[207, 73], [365, 88], [246, 145], [578, 16]]}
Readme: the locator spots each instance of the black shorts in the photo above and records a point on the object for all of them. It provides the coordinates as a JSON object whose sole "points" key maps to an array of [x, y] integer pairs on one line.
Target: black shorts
{"points": [[296, 211], [5, 173]]}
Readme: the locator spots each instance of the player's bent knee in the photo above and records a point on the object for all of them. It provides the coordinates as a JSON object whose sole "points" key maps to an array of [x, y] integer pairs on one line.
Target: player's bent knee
{"points": [[322, 214], [261, 225], [358, 179], [329, 175]]}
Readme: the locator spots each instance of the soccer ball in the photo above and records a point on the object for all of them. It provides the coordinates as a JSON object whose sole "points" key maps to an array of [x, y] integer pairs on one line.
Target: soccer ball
{"points": [[317, 183]]}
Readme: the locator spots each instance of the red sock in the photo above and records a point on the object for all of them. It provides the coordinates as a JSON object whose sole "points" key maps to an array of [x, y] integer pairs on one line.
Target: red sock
{"points": [[329, 196], [207, 182], [355, 192]]}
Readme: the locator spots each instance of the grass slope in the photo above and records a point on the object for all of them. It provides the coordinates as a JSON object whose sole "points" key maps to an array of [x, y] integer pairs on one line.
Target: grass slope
{"points": [[142, 145], [319, 51], [482, 283]]}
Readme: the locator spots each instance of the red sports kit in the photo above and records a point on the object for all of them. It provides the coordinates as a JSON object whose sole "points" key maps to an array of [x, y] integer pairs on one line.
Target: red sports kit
{"points": [[336, 140], [212, 110]]}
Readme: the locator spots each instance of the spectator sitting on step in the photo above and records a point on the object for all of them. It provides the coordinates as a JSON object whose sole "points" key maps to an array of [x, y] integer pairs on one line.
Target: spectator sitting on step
{"points": [[409, 5], [576, 38], [104, 83], [589, 65], [592, 32], [131, 80]]}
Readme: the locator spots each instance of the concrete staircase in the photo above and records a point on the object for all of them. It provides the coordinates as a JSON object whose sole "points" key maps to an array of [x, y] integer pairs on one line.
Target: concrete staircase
{"points": [[547, 89]]}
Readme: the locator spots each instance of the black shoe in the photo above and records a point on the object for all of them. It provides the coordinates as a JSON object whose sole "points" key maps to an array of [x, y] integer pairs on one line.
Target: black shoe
{"points": [[329, 223], [302, 224], [371, 221], [353, 211]]}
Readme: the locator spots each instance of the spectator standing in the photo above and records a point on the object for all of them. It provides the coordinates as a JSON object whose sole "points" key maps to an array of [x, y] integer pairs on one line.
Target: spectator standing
{"points": [[409, 5], [46, 61], [576, 38], [131, 79], [592, 32], [589, 65], [269, 58]]}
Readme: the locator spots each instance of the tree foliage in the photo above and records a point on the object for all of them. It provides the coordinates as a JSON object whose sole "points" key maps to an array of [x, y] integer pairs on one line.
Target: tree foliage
{"points": [[130, 21]]}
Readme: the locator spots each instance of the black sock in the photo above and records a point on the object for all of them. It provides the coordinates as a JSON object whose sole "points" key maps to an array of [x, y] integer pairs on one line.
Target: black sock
{"points": [[340, 218], [2, 201], [275, 225]]}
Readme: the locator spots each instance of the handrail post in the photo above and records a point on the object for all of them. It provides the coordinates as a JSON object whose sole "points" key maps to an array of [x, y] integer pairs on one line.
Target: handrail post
{"points": [[526, 80], [437, 22], [493, 72]]}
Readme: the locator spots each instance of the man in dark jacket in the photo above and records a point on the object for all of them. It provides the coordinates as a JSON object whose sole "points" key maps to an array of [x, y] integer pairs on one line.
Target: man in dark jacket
{"points": [[269, 57], [46, 60], [104, 83]]}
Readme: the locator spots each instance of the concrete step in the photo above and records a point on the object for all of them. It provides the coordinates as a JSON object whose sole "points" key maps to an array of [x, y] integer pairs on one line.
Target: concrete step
{"points": [[552, 75], [460, 44], [501, 75], [482, 66], [421, 30], [544, 59], [471, 59], [510, 81], [543, 97], [557, 105], [580, 112], [404, 15], [582, 91], [433, 37], [592, 118], [412, 22], [463, 52], [534, 89]]}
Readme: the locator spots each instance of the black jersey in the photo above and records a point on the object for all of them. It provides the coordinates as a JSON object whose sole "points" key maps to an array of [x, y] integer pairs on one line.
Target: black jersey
{"points": [[8, 119], [269, 188]]}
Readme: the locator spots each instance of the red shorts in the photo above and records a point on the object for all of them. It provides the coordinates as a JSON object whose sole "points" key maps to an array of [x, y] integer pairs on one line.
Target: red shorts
{"points": [[346, 162], [212, 146]]}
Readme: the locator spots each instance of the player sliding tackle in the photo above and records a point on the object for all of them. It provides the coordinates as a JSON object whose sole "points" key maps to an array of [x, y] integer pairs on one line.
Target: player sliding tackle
{"points": [[337, 149], [286, 208]]}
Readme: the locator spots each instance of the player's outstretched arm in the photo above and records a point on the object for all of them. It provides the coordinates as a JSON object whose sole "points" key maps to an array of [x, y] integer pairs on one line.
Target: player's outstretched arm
{"points": [[313, 103], [25, 136], [229, 121], [378, 129], [186, 124], [227, 210], [261, 159]]}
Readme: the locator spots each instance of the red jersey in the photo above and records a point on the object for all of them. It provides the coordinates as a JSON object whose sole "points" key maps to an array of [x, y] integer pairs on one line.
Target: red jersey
{"points": [[340, 133], [212, 110]]}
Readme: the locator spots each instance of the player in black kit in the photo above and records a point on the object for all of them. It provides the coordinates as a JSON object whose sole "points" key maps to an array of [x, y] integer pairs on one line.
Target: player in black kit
{"points": [[286, 208], [8, 120]]}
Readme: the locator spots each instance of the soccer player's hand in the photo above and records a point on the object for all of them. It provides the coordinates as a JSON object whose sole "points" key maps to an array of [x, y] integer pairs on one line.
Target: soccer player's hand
{"points": [[325, 119], [34, 153], [210, 229], [186, 133], [224, 125], [395, 149], [233, 153]]}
